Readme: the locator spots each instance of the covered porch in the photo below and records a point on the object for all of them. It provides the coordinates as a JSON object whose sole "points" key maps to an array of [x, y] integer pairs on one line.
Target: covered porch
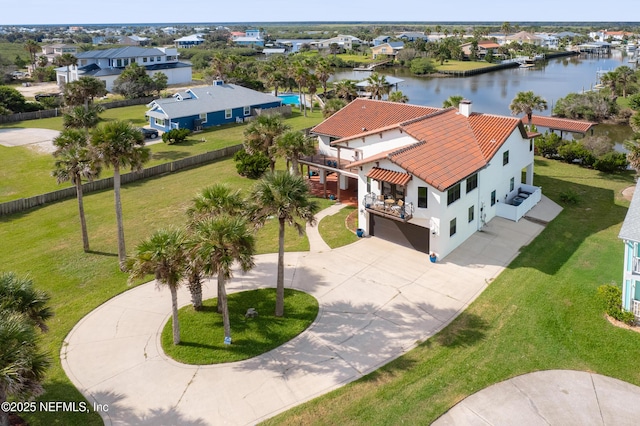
{"points": [[388, 198]]}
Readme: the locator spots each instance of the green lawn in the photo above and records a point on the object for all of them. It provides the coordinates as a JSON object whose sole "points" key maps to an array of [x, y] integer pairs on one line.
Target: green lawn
{"points": [[452, 65], [25, 173], [540, 313], [45, 243], [202, 334], [334, 231]]}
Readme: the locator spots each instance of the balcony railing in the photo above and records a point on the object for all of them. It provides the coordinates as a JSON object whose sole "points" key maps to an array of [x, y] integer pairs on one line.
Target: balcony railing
{"points": [[636, 309], [388, 207]]}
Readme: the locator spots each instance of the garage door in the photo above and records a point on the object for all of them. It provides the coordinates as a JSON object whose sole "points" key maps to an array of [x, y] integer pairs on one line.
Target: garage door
{"points": [[403, 233]]}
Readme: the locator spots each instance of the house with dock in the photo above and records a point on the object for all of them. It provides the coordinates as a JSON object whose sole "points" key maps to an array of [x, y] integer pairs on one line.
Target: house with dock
{"points": [[630, 235], [428, 177]]}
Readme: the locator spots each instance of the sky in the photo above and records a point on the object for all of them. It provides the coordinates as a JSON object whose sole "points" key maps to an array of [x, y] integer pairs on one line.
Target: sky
{"points": [[44, 12]]}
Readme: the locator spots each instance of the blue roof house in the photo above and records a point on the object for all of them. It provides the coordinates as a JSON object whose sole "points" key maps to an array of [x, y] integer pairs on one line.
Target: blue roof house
{"points": [[202, 107], [630, 234]]}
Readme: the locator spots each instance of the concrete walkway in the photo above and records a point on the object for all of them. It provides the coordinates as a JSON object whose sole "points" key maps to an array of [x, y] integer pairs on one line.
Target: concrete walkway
{"points": [[377, 301], [555, 397]]}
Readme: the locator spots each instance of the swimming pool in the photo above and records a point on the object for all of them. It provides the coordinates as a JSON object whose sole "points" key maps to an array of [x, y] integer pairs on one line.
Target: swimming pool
{"points": [[290, 99]]}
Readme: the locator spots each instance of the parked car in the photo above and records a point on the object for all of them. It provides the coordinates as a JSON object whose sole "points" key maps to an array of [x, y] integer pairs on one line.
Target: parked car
{"points": [[149, 133], [41, 96]]}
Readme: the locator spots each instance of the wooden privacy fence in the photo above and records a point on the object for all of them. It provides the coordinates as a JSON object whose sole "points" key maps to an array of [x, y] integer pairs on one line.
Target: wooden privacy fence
{"points": [[23, 204], [48, 113]]}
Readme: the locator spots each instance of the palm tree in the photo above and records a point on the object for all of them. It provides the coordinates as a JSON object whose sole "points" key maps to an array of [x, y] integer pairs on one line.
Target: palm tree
{"points": [[378, 86], [22, 364], [118, 144], [32, 47], [398, 96], [633, 154], [215, 200], [65, 60], [80, 118], [220, 242], [18, 294], [312, 88], [345, 89], [291, 145], [452, 101], [163, 255], [625, 76], [526, 102], [332, 106], [261, 133], [285, 197], [74, 160], [83, 91], [301, 76], [323, 72]]}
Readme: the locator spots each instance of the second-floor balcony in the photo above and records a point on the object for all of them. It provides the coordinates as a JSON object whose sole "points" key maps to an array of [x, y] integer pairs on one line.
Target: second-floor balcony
{"points": [[388, 207]]}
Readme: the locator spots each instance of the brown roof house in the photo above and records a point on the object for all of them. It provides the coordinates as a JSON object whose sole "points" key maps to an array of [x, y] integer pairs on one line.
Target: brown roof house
{"points": [[431, 177]]}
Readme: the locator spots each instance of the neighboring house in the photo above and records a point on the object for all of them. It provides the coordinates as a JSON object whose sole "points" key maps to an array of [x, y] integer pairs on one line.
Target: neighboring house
{"points": [[107, 65], [413, 36], [431, 177], [294, 45], [134, 40], [550, 41], [387, 50], [214, 105], [381, 40], [630, 235], [251, 37], [525, 37], [346, 42], [484, 47], [274, 51], [58, 49], [189, 41]]}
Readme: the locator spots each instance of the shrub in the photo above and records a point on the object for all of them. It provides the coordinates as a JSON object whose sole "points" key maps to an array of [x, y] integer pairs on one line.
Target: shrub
{"points": [[634, 102], [548, 144], [611, 297], [573, 152], [175, 136], [569, 196], [611, 162], [251, 166], [422, 66]]}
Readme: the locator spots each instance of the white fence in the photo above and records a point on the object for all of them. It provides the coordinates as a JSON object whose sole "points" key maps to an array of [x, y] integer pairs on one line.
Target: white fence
{"points": [[515, 213]]}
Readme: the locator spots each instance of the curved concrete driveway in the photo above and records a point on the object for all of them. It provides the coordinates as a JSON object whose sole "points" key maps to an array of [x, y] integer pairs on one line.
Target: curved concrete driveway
{"points": [[377, 301]]}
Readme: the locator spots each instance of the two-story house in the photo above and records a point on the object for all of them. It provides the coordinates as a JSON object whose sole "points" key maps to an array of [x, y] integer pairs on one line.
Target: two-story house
{"points": [[431, 177], [107, 65]]}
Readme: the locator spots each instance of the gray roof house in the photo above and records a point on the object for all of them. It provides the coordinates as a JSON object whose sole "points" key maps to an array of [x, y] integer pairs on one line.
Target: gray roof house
{"points": [[630, 235], [107, 65], [208, 106]]}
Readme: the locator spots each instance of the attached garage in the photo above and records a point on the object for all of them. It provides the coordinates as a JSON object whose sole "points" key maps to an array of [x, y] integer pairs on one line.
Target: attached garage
{"points": [[402, 233]]}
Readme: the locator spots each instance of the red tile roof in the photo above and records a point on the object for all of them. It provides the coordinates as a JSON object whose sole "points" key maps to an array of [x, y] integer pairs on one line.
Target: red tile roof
{"points": [[367, 114], [385, 175], [560, 123]]}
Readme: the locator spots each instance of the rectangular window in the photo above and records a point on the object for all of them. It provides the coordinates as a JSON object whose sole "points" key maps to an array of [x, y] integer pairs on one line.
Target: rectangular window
{"points": [[505, 158], [512, 184], [203, 117], [145, 59], [159, 58], [160, 122], [472, 183], [368, 185], [493, 197], [228, 113], [151, 59], [530, 144], [471, 213], [422, 197], [452, 227], [453, 194], [247, 110]]}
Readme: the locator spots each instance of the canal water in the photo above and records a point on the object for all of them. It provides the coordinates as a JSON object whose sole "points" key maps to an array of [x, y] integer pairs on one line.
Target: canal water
{"points": [[492, 92]]}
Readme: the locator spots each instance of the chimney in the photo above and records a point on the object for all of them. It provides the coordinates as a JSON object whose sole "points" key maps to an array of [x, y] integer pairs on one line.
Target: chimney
{"points": [[465, 107]]}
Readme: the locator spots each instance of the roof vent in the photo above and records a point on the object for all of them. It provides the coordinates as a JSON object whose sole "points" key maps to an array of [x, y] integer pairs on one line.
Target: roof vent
{"points": [[465, 107], [364, 129]]}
